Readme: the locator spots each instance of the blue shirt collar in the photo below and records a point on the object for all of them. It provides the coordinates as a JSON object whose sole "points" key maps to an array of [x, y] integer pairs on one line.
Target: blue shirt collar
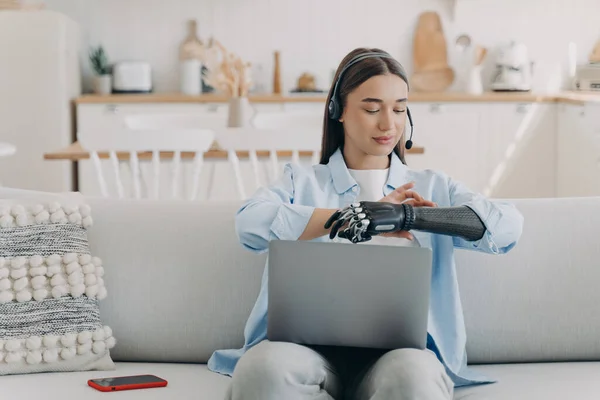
{"points": [[343, 181]]}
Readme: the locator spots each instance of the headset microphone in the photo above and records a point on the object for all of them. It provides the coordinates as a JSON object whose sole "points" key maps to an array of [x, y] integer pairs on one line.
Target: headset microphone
{"points": [[409, 142]]}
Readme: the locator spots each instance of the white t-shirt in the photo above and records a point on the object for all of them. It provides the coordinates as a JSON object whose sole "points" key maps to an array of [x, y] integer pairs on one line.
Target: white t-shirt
{"points": [[372, 182]]}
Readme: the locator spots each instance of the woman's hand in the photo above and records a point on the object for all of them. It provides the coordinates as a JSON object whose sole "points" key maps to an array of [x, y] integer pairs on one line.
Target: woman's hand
{"points": [[404, 194]]}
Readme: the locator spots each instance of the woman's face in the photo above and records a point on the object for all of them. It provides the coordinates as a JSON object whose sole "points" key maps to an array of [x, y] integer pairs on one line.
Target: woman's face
{"points": [[375, 115]]}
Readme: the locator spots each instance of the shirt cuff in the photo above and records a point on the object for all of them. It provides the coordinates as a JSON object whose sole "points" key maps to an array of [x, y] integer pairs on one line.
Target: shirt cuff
{"points": [[291, 220], [490, 217]]}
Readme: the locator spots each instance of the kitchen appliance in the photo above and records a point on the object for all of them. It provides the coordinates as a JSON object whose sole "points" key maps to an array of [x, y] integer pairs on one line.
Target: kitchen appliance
{"points": [[132, 77], [514, 69], [588, 77], [39, 79]]}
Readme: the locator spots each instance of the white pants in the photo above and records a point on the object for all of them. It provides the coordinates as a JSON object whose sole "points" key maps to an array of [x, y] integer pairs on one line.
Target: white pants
{"points": [[286, 371]]}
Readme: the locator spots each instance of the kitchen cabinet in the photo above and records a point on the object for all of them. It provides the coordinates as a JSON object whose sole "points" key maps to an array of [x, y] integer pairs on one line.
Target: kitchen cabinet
{"points": [[450, 135], [578, 156], [518, 148], [497, 149]]}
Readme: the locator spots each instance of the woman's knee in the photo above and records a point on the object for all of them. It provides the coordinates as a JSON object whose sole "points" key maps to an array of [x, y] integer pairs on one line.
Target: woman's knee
{"points": [[276, 368], [410, 374], [264, 362]]}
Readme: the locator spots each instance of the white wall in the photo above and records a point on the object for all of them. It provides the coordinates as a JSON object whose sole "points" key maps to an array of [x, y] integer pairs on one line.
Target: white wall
{"points": [[313, 35]]}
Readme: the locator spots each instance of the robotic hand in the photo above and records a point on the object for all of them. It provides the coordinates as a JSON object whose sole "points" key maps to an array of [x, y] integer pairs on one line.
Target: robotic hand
{"points": [[366, 219]]}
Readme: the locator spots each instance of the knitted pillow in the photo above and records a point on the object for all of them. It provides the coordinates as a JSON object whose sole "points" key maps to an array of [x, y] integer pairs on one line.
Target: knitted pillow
{"points": [[50, 286]]}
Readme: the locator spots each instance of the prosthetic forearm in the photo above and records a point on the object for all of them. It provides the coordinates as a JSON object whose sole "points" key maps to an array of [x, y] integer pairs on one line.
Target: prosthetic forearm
{"points": [[365, 219]]}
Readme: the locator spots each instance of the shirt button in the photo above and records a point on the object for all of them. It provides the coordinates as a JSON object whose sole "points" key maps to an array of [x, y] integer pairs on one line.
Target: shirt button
{"points": [[354, 189]]}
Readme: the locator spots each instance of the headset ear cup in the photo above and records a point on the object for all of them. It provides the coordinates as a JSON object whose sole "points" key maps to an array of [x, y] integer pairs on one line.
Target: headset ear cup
{"points": [[333, 109]]}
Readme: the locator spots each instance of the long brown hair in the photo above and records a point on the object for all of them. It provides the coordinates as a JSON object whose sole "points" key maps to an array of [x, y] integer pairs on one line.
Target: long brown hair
{"points": [[354, 76]]}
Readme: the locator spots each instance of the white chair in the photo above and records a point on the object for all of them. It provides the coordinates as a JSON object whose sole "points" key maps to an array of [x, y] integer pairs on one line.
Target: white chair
{"points": [[152, 141], [175, 121], [271, 131], [167, 121], [253, 140], [297, 120], [302, 124]]}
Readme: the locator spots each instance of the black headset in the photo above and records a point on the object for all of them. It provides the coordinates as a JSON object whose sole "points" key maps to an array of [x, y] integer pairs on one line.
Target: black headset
{"points": [[335, 106]]}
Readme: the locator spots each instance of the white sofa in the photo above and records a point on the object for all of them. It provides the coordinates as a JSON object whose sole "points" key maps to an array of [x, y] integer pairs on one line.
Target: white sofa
{"points": [[180, 286]]}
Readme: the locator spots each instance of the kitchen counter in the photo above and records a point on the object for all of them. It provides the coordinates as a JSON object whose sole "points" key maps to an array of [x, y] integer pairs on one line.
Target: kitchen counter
{"points": [[578, 97], [562, 97]]}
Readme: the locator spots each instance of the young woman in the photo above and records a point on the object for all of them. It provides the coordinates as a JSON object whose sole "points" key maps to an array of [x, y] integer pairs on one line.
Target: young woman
{"points": [[363, 160]]}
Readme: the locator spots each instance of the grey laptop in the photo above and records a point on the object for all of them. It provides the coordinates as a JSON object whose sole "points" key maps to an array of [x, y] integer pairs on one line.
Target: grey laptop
{"points": [[337, 294]]}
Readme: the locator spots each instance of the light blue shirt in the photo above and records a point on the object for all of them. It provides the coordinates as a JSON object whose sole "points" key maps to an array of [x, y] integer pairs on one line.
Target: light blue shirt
{"points": [[282, 210]]}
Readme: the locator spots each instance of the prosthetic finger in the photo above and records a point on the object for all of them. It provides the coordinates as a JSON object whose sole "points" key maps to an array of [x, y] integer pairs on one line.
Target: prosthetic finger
{"points": [[333, 217], [354, 239], [341, 217], [357, 230], [345, 216], [336, 227], [341, 213]]}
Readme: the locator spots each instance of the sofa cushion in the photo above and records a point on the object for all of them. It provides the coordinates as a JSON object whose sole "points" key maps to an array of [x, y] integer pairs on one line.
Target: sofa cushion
{"points": [[538, 302], [185, 381], [181, 285], [548, 381], [50, 286]]}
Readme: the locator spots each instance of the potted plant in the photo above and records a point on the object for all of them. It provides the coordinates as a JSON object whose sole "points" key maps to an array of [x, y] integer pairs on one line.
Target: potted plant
{"points": [[101, 68]]}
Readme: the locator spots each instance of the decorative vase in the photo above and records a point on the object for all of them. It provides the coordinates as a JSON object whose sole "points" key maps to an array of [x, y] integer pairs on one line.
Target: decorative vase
{"points": [[103, 84], [240, 112], [190, 77], [191, 52], [474, 83]]}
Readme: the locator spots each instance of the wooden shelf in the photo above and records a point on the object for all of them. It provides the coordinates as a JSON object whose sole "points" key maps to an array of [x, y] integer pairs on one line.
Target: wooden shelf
{"points": [[182, 98], [75, 152], [569, 97]]}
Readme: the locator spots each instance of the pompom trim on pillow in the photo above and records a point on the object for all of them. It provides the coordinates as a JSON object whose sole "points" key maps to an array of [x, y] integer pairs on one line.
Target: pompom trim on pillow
{"points": [[50, 288], [54, 348], [53, 213], [37, 278]]}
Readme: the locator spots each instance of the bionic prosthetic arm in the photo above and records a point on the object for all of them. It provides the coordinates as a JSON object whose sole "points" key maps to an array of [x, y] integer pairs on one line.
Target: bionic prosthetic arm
{"points": [[366, 219]]}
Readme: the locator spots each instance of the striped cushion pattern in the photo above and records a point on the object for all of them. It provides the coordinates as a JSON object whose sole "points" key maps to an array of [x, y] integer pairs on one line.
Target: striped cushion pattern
{"points": [[50, 286]]}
